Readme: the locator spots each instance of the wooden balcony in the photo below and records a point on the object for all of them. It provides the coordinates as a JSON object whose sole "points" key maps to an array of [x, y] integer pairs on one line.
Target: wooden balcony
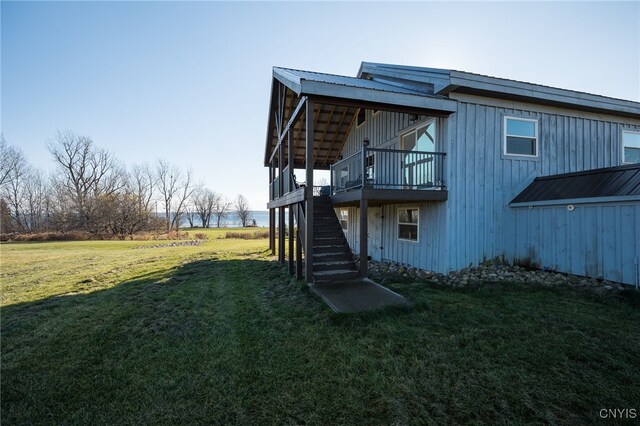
{"points": [[386, 176]]}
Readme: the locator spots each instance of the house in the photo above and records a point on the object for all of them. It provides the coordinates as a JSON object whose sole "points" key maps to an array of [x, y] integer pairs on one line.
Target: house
{"points": [[443, 169]]}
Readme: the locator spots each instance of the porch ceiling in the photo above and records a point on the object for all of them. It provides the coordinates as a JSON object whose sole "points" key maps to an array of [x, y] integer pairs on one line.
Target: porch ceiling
{"points": [[336, 102], [331, 125]]}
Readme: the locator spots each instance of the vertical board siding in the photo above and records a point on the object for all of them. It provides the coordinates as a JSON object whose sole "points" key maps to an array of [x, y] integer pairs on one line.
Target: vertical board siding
{"points": [[593, 240], [427, 253], [476, 224], [383, 130], [598, 240]]}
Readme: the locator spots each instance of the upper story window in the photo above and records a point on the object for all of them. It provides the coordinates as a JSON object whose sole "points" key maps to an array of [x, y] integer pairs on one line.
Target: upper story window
{"points": [[344, 219], [408, 224], [520, 137], [362, 116], [631, 147], [422, 138]]}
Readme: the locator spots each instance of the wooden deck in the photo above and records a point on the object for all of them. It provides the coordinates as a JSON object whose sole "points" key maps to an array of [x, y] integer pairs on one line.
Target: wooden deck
{"points": [[377, 197]]}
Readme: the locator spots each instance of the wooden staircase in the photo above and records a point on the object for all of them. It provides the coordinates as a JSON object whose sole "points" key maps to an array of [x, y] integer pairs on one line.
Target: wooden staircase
{"points": [[332, 258]]}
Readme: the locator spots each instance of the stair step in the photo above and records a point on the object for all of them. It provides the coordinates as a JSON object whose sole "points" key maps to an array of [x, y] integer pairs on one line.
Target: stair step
{"points": [[331, 257], [337, 275], [333, 248], [334, 265], [327, 233]]}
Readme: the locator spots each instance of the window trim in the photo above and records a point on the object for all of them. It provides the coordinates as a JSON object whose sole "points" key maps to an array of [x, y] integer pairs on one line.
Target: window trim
{"points": [[504, 137], [344, 169], [364, 119], [346, 228], [413, 128], [417, 224], [635, 132]]}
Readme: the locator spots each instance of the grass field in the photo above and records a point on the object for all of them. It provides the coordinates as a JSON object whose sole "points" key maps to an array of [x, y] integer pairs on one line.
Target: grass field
{"points": [[107, 333]]}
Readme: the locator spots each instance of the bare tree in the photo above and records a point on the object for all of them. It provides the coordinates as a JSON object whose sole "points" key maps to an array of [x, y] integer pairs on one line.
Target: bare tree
{"points": [[84, 174], [191, 214], [36, 203], [14, 184], [205, 201], [168, 180], [175, 188], [186, 190], [10, 158], [221, 209], [242, 210], [142, 185]]}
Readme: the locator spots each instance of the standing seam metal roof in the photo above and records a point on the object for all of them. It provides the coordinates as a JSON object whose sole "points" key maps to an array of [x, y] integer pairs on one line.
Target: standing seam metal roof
{"points": [[620, 181], [353, 82]]}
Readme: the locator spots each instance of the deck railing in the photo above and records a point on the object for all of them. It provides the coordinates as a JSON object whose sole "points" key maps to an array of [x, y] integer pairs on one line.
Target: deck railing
{"points": [[389, 169], [288, 184]]}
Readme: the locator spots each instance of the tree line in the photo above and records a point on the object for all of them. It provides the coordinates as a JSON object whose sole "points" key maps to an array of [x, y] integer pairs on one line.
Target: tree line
{"points": [[91, 191]]}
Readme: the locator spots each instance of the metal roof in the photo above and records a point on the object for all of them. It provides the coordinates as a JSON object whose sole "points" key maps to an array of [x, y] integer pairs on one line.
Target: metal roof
{"points": [[337, 100], [446, 81], [620, 181], [297, 77]]}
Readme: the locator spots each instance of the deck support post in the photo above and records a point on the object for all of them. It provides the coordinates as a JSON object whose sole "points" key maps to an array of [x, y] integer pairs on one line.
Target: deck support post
{"points": [[272, 228], [281, 223], [299, 243], [364, 255], [291, 207], [272, 231], [308, 232]]}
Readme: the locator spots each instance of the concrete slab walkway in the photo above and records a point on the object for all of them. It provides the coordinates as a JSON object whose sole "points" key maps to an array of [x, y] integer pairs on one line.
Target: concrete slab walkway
{"points": [[357, 296]]}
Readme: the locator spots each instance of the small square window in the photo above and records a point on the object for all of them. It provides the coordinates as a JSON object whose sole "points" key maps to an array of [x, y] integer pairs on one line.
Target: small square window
{"points": [[520, 137], [631, 147], [362, 116], [408, 224], [344, 219]]}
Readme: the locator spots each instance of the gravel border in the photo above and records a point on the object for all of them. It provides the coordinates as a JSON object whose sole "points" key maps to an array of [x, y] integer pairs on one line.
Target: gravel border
{"points": [[173, 244], [387, 270]]}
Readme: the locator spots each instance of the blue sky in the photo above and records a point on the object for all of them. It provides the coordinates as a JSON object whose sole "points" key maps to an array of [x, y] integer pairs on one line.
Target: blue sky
{"points": [[190, 81]]}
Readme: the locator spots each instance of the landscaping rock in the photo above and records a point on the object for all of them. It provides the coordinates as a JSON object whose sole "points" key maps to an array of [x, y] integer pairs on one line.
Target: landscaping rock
{"points": [[173, 244], [386, 270]]}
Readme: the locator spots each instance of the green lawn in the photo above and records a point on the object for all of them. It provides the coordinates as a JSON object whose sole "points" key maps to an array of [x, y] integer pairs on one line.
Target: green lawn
{"points": [[103, 333]]}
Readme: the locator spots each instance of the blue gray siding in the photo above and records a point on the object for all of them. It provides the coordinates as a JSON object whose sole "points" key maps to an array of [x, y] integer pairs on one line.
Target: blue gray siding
{"points": [[596, 240], [476, 224], [482, 182], [383, 243], [383, 130]]}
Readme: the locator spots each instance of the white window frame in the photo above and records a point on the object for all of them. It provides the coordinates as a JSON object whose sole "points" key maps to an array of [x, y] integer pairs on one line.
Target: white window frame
{"points": [[417, 224], [364, 120], [504, 137], [414, 129], [346, 228], [343, 185], [635, 132]]}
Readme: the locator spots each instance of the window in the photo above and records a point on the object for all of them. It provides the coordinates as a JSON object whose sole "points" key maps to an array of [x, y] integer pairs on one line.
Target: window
{"points": [[520, 137], [370, 170], [344, 219], [418, 168], [344, 177], [631, 147], [361, 116], [408, 224]]}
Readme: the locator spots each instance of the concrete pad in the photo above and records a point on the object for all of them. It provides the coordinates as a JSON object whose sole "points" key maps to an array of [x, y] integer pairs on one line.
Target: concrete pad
{"points": [[357, 296]]}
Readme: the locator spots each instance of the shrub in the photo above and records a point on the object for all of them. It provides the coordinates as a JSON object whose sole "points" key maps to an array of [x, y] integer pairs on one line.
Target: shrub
{"points": [[201, 236], [256, 235]]}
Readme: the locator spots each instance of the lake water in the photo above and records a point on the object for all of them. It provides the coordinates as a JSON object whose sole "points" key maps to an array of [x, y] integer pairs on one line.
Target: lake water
{"points": [[261, 217]]}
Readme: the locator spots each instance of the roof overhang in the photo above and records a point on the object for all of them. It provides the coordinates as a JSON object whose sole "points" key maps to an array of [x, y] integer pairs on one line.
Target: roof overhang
{"points": [[475, 84], [336, 100], [445, 82]]}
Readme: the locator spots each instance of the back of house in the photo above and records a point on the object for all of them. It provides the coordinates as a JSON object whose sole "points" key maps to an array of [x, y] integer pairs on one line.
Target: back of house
{"points": [[455, 169]]}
